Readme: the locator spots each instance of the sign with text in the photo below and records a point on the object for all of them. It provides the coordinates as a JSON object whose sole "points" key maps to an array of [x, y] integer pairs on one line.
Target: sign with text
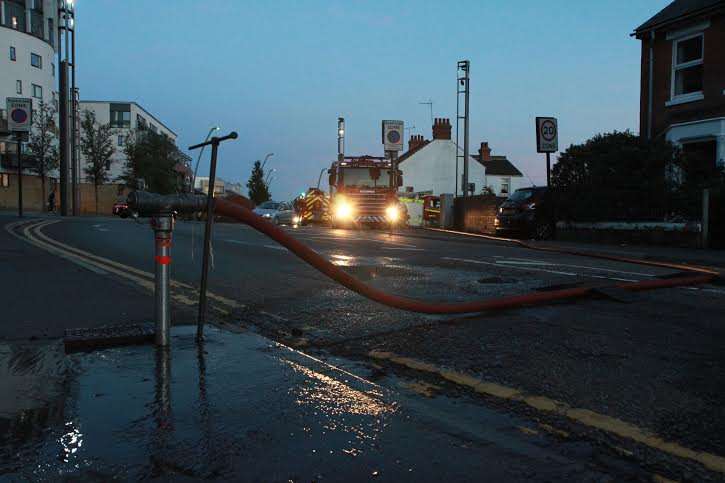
{"points": [[20, 114], [547, 135], [393, 135]]}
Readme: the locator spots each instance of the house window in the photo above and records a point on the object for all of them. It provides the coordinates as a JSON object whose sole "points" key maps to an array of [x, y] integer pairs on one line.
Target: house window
{"points": [[120, 115], [14, 22], [505, 186], [37, 91], [140, 122], [687, 63], [4, 180], [51, 33], [36, 61], [52, 69], [18, 87], [120, 140], [12, 54]]}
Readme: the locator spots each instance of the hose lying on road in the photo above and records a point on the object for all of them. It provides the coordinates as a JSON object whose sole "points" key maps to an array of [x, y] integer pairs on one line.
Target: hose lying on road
{"points": [[310, 256]]}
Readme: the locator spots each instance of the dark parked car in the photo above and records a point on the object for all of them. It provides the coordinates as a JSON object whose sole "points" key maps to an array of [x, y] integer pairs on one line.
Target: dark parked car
{"points": [[527, 212], [120, 208]]}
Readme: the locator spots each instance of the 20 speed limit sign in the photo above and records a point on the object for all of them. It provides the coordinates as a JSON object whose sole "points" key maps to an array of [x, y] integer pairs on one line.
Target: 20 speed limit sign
{"points": [[547, 135]]}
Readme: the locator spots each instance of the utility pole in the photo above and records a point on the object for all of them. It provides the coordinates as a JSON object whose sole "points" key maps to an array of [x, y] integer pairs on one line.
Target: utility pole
{"points": [[67, 100], [340, 138], [463, 90]]}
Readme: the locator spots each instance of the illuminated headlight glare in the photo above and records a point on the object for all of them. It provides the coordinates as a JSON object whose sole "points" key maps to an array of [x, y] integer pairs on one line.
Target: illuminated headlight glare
{"points": [[266, 215], [392, 213], [296, 220], [343, 210]]}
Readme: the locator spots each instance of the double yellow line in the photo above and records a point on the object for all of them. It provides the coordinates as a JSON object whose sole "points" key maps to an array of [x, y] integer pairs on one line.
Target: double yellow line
{"points": [[182, 293]]}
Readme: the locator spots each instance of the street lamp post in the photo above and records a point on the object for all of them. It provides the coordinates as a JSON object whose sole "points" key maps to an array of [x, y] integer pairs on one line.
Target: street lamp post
{"points": [[269, 155], [198, 158], [340, 138]]}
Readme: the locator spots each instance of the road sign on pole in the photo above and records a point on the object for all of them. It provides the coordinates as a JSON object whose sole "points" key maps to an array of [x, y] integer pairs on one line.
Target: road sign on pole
{"points": [[20, 114], [393, 135], [547, 135]]}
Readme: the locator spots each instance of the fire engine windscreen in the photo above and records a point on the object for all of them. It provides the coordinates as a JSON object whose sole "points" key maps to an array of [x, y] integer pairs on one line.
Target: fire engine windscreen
{"points": [[365, 177]]}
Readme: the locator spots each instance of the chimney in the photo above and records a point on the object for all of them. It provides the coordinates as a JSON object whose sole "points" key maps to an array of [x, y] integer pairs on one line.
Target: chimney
{"points": [[484, 152], [441, 128], [416, 141]]}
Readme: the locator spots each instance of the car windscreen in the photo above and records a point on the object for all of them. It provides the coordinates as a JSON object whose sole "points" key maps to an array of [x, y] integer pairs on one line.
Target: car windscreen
{"points": [[365, 177], [521, 195]]}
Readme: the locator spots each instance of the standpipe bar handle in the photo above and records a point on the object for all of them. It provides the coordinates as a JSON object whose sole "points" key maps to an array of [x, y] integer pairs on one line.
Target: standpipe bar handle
{"points": [[150, 204], [310, 256], [215, 140]]}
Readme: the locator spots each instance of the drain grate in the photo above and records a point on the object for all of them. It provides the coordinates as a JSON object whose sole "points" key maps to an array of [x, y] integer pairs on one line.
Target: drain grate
{"points": [[76, 340]]}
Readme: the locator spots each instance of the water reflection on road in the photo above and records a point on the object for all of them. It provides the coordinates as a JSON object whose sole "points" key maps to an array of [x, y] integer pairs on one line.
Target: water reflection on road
{"points": [[237, 407]]}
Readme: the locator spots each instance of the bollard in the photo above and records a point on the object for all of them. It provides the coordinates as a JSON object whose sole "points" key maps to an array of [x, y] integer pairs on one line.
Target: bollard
{"points": [[163, 226]]}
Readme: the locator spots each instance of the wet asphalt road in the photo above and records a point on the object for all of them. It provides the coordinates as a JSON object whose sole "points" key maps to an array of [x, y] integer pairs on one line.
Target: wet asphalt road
{"points": [[652, 359]]}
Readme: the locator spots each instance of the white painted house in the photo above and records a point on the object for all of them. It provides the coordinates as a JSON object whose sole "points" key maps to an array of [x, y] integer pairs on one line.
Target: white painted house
{"points": [[502, 177], [430, 166], [124, 117]]}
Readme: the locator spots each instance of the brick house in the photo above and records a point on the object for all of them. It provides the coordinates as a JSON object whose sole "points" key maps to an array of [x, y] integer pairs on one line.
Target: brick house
{"points": [[683, 77]]}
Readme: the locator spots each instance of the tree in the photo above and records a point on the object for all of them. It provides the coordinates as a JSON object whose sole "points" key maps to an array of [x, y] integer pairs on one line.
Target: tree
{"points": [[151, 157], [97, 148], [43, 143], [258, 189], [615, 176]]}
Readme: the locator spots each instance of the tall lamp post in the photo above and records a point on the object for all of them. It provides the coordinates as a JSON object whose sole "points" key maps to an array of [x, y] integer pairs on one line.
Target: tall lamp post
{"points": [[340, 138], [68, 99], [198, 158], [269, 155]]}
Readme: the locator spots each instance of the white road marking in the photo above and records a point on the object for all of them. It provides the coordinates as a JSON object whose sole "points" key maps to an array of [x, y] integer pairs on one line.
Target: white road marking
{"points": [[240, 242], [481, 262], [587, 267]]}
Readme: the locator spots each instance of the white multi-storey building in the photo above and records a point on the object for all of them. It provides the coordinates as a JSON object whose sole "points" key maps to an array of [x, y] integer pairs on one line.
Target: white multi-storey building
{"points": [[28, 38], [125, 117]]}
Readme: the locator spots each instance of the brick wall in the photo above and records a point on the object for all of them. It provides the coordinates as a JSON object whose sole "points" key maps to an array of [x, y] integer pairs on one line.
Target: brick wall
{"points": [[713, 104], [476, 214], [34, 200]]}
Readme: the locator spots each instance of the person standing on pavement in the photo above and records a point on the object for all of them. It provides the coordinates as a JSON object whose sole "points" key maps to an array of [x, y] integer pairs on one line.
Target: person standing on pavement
{"points": [[51, 201]]}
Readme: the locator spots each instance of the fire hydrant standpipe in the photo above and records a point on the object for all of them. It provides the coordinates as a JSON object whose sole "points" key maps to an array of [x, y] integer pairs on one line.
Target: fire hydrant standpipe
{"points": [[699, 275]]}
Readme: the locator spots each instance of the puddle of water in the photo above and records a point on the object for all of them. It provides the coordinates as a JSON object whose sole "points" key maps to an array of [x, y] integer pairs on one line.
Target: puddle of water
{"points": [[241, 407]]}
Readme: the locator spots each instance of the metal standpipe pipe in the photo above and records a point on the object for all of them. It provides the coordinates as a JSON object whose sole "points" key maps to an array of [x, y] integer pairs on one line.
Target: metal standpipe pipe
{"points": [[163, 226]]}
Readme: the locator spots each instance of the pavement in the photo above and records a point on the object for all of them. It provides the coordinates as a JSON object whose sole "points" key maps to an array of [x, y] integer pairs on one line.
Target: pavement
{"points": [[634, 384]]}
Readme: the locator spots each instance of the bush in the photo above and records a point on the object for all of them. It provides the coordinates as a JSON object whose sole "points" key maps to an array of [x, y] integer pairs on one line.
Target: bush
{"points": [[615, 176]]}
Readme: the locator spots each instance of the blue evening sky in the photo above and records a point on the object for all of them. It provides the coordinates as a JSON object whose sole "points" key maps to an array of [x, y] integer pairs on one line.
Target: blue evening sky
{"points": [[281, 72]]}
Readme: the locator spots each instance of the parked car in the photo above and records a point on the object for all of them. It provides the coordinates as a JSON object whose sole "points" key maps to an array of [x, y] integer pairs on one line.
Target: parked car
{"points": [[527, 211], [120, 208], [278, 213], [285, 215], [267, 209]]}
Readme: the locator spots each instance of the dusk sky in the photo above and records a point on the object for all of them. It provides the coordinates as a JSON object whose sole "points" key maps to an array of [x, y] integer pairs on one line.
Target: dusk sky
{"points": [[280, 73]]}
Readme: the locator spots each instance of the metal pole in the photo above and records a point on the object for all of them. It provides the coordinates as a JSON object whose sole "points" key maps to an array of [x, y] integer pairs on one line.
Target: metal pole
{"points": [[340, 138], [163, 226], [465, 131], [75, 171], [20, 175], [548, 170], [63, 141], [705, 218], [207, 242]]}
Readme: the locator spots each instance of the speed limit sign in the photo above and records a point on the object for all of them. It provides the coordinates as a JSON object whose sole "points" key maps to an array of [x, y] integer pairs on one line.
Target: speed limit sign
{"points": [[547, 135]]}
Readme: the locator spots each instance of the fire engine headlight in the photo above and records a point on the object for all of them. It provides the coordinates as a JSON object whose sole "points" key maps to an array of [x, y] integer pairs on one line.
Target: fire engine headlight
{"points": [[296, 220], [392, 212], [343, 210]]}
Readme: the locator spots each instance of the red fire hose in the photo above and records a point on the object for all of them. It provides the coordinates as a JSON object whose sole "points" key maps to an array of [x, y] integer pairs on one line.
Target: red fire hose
{"points": [[246, 216]]}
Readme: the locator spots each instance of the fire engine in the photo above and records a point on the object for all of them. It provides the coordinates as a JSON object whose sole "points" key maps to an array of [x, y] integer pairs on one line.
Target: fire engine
{"points": [[363, 191], [313, 207]]}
